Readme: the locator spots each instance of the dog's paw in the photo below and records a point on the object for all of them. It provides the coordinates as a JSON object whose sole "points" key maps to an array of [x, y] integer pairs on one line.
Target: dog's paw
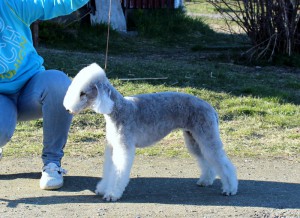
{"points": [[230, 186], [229, 192], [111, 197], [207, 178], [101, 187], [98, 192], [203, 182]]}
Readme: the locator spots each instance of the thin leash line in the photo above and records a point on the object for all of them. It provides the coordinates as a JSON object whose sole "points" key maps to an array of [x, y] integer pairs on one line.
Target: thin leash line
{"points": [[79, 19], [107, 40]]}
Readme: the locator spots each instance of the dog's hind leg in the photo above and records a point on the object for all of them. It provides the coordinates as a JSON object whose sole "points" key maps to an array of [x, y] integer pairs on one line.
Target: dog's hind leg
{"points": [[211, 147], [207, 172]]}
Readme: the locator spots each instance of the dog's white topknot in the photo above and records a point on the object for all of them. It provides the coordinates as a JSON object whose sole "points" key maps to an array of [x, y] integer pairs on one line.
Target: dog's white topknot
{"points": [[93, 72], [84, 89]]}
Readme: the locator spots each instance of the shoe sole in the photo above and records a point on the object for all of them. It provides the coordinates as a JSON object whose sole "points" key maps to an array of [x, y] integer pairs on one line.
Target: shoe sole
{"points": [[51, 187]]}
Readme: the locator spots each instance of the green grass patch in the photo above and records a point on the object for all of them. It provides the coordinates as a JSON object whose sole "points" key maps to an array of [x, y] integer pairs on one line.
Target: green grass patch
{"points": [[200, 7], [260, 123], [156, 28], [82, 38], [170, 26]]}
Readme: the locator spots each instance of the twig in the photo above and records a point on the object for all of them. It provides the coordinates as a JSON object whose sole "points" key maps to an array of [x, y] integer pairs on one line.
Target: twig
{"points": [[149, 78], [273, 50]]}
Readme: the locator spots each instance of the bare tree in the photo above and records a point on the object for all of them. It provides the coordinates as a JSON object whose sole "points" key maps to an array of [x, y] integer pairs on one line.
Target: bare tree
{"points": [[272, 25]]}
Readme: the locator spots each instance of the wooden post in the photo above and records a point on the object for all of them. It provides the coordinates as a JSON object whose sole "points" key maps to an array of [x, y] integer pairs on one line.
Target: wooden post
{"points": [[35, 33]]}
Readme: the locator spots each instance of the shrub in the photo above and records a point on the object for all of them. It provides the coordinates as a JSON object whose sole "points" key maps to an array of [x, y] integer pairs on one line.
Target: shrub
{"points": [[272, 25]]}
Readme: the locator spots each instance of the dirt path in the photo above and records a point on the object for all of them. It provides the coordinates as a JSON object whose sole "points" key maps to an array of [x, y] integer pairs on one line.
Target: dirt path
{"points": [[158, 188]]}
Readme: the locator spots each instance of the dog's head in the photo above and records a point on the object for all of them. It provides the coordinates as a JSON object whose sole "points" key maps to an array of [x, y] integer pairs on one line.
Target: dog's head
{"points": [[89, 88]]}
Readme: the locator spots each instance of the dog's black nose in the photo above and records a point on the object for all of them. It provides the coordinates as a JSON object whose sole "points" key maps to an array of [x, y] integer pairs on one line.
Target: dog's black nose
{"points": [[70, 112]]}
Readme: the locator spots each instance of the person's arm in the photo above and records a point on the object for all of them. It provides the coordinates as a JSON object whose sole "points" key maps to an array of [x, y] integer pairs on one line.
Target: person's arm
{"points": [[31, 10]]}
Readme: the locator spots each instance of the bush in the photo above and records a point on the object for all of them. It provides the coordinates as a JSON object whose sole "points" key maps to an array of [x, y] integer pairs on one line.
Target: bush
{"points": [[272, 25]]}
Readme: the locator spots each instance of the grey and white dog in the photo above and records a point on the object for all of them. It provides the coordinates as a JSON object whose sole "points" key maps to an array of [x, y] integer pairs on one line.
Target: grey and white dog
{"points": [[142, 120]]}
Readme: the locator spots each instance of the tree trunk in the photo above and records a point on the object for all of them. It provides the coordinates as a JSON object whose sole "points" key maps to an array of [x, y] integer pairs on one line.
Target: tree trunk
{"points": [[117, 18]]}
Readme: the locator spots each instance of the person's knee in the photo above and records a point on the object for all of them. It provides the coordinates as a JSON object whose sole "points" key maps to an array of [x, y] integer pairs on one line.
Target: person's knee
{"points": [[4, 137], [58, 82], [8, 119], [55, 86]]}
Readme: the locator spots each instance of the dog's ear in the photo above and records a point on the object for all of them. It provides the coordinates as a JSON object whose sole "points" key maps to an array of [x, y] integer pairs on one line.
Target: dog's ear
{"points": [[103, 103], [92, 92]]}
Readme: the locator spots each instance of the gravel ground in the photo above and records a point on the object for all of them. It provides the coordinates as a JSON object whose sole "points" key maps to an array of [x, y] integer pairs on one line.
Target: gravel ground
{"points": [[159, 188]]}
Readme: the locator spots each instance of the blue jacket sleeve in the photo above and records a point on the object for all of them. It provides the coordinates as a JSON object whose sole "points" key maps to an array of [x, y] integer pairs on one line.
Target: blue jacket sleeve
{"points": [[31, 10]]}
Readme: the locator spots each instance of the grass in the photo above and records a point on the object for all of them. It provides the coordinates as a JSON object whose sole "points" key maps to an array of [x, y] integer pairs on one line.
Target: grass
{"points": [[200, 7], [258, 106]]}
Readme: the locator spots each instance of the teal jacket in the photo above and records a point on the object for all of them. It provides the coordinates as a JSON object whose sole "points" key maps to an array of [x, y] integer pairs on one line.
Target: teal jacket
{"points": [[19, 60]]}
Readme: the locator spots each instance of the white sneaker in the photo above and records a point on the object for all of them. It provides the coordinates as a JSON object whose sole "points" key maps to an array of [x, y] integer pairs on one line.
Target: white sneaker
{"points": [[52, 177], [1, 150]]}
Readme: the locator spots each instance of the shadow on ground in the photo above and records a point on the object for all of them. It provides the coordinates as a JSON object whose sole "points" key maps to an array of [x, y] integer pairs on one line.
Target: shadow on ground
{"points": [[182, 191]]}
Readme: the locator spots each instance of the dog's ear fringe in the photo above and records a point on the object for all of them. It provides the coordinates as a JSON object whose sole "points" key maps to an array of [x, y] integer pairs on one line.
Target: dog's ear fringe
{"points": [[103, 103]]}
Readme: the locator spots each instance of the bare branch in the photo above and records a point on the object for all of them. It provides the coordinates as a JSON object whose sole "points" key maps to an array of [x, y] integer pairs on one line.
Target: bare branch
{"points": [[273, 26]]}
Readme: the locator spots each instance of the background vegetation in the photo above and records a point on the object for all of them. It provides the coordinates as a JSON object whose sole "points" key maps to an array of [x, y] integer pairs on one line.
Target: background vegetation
{"points": [[258, 105], [272, 26]]}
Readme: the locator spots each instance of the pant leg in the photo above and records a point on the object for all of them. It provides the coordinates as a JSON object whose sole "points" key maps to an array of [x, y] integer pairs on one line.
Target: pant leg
{"points": [[43, 97], [8, 118]]}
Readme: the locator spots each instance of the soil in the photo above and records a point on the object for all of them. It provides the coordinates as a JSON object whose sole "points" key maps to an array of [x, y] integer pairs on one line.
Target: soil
{"points": [[160, 187]]}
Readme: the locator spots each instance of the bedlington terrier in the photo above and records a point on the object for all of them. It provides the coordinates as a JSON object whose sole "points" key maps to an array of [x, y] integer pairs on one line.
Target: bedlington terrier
{"points": [[143, 120]]}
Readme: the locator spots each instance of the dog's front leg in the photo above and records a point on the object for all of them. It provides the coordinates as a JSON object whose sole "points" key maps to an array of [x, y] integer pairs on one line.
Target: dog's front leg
{"points": [[122, 160], [102, 185]]}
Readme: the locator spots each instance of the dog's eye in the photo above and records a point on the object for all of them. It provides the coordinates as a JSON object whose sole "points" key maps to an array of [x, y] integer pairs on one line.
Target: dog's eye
{"points": [[81, 94]]}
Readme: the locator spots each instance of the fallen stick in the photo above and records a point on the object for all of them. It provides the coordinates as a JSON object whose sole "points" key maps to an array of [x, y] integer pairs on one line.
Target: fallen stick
{"points": [[130, 79]]}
